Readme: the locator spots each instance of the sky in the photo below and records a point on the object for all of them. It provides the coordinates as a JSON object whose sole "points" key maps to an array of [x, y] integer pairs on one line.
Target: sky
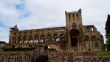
{"points": [[33, 14]]}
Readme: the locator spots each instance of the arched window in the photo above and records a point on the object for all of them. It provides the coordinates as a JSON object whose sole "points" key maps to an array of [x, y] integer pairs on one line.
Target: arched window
{"points": [[48, 38], [69, 16], [93, 38], [19, 39], [25, 39], [14, 40], [96, 45], [77, 16], [42, 38], [36, 39], [56, 38], [73, 16], [62, 37], [30, 39], [87, 38]]}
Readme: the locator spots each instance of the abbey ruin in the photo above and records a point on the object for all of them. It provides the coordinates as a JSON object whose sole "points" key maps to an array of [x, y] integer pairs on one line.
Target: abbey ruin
{"points": [[74, 37], [74, 42]]}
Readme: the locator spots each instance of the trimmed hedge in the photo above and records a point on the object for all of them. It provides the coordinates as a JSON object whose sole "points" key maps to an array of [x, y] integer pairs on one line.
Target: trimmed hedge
{"points": [[18, 49]]}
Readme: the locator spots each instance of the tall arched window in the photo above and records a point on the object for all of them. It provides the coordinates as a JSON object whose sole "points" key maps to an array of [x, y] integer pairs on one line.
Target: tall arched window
{"points": [[19, 39], [48, 38], [87, 38], [24, 39], [96, 45], [30, 39], [69, 16], [62, 37], [36, 39], [42, 38], [93, 38], [14, 39], [56, 38], [73, 16]]}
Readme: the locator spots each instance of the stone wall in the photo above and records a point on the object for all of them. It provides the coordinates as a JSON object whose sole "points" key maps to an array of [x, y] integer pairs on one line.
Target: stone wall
{"points": [[76, 57], [22, 56], [39, 55], [16, 57], [80, 59]]}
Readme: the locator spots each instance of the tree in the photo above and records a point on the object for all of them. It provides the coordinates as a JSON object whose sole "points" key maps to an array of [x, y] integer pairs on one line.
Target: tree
{"points": [[107, 29], [2, 42], [108, 43]]}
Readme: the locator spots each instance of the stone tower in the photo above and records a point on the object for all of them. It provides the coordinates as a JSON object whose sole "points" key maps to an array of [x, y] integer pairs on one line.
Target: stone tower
{"points": [[13, 36], [74, 29]]}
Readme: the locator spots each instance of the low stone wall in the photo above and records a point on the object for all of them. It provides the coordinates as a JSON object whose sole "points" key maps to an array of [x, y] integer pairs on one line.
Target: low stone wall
{"points": [[79, 57], [39, 55], [16, 57], [21, 56]]}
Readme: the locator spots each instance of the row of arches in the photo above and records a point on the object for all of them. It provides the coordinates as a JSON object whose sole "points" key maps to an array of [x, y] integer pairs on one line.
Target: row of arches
{"points": [[90, 46], [91, 38], [39, 38]]}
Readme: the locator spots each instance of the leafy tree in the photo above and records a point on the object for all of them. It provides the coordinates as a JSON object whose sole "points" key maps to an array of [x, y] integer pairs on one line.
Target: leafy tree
{"points": [[107, 29], [2, 42], [108, 42], [107, 26]]}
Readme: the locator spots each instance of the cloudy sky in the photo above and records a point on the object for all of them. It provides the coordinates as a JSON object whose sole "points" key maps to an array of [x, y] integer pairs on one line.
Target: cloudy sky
{"points": [[31, 14]]}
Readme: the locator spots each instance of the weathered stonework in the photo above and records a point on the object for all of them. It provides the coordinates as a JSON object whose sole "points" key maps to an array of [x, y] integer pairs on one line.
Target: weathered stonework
{"points": [[74, 37], [39, 55], [76, 57], [22, 56], [74, 42]]}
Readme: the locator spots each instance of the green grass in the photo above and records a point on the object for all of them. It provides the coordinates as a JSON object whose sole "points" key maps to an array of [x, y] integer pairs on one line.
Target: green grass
{"points": [[103, 53]]}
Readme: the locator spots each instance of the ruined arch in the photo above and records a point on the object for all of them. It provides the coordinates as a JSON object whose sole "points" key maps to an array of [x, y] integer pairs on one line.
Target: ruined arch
{"points": [[48, 37], [42, 38], [14, 39], [30, 39], [74, 33], [36, 39], [93, 38], [19, 39], [87, 38], [96, 45], [24, 39], [62, 37], [56, 38]]}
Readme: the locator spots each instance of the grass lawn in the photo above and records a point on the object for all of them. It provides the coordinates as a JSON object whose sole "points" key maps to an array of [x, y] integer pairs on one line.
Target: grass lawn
{"points": [[103, 53]]}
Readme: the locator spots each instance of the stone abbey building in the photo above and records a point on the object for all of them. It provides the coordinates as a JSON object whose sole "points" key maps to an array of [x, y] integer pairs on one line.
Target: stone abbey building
{"points": [[73, 37]]}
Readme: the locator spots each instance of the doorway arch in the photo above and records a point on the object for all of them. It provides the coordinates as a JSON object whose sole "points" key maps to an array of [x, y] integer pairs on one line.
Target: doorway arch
{"points": [[74, 33]]}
